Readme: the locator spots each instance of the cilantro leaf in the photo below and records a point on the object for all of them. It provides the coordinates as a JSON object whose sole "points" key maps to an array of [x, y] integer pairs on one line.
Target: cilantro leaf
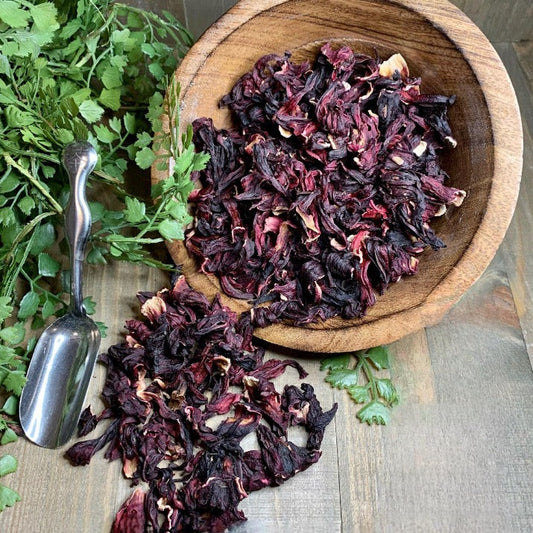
{"points": [[47, 265], [13, 15], [13, 334], [14, 381], [343, 378], [91, 111], [135, 209], [44, 16], [379, 356], [8, 497], [359, 393], [170, 230], [28, 305], [8, 436], [5, 308], [387, 390], [145, 158], [354, 372], [374, 412], [8, 465], [335, 362]]}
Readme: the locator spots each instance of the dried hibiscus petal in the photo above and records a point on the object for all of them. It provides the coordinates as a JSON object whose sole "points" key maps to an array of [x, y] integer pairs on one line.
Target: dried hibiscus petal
{"points": [[322, 193], [182, 392]]}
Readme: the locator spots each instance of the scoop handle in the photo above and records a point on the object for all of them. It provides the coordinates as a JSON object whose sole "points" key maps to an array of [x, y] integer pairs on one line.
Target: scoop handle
{"points": [[79, 160]]}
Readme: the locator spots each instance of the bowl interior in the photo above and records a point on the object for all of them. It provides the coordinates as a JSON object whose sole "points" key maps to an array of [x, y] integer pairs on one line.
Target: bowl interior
{"points": [[371, 27]]}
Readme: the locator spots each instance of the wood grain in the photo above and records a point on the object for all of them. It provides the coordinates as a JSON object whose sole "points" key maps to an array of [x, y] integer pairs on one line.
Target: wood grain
{"points": [[457, 456], [440, 44]]}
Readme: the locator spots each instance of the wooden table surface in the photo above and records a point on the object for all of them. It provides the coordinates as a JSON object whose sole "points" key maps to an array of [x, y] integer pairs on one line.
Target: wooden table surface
{"points": [[458, 454]]}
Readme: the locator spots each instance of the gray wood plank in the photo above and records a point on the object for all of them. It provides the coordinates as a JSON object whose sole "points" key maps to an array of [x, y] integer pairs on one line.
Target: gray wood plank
{"points": [[516, 249], [500, 20], [200, 14]]}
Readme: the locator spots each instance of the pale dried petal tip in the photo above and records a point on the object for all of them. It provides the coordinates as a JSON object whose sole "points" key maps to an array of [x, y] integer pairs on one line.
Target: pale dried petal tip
{"points": [[420, 148], [395, 63]]}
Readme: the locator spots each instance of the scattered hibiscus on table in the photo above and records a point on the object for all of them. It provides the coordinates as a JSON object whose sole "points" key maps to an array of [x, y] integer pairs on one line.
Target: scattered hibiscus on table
{"points": [[182, 392]]}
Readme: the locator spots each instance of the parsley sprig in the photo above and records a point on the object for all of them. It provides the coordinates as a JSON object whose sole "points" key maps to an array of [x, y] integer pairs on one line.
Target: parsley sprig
{"points": [[91, 70], [356, 374]]}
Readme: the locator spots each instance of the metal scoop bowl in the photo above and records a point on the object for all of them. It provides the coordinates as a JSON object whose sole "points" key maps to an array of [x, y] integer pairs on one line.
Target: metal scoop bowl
{"points": [[63, 360]]}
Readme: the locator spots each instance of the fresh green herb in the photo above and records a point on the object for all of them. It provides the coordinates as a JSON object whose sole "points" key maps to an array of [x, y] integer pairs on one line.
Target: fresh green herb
{"points": [[91, 70], [8, 497], [355, 373]]}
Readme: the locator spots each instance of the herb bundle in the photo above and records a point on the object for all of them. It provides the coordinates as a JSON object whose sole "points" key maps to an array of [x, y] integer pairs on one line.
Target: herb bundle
{"points": [[91, 70]]}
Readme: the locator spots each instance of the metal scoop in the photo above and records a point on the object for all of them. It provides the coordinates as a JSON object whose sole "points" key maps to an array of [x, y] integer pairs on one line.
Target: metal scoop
{"points": [[64, 357]]}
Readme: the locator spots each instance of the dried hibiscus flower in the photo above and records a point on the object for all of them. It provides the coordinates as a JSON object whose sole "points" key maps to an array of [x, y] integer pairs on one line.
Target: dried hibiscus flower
{"points": [[322, 194], [181, 393]]}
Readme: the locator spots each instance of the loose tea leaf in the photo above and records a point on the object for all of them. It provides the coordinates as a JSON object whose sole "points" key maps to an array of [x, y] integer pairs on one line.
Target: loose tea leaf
{"points": [[322, 194], [181, 394]]}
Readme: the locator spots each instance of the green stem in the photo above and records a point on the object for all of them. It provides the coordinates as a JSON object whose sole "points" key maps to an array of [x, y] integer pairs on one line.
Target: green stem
{"points": [[368, 373], [151, 222], [27, 229], [35, 182]]}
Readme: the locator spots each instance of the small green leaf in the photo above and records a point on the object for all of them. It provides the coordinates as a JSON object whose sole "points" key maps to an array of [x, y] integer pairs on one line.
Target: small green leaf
{"points": [[387, 391], [81, 95], [336, 362], [170, 230], [13, 15], [64, 136], [8, 497], [14, 381], [5, 308], [45, 236], [145, 158], [115, 125], [26, 204], [120, 36], [148, 49], [91, 111], [96, 256], [13, 334], [343, 378], [130, 122], [90, 305], [97, 211], [135, 210], [28, 305], [374, 412], [111, 77], [48, 309], [379, 356], [8, 465], [359, 393], [156, 70], [44, 16], [47, 265], [10, 406], [7, 354], [110, 98], [143, 139], [8, 436], [104, 134]]}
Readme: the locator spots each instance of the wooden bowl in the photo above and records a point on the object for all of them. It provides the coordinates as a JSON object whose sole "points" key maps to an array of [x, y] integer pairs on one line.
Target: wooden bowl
{"points": [[452, 56]]}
